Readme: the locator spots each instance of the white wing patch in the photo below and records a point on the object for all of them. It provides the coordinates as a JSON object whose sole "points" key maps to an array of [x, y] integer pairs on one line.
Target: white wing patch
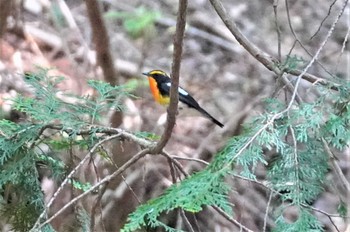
{"points": [[181, 90]]}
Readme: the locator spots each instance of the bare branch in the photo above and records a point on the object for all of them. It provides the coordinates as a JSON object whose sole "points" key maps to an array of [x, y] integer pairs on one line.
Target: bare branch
{"points": [[314, 58], [103, 130], [336, 167], [324, 19], [70, 175], [324, 212], [113, 132], [297, 40], [330, 216], [175, 73], [187, 222], [106, 179], [278, 30], [267, 211], [232, 220], [176, 163], [268, 61], [96, 204], [190, 159], [261, 56], [345, 41]]}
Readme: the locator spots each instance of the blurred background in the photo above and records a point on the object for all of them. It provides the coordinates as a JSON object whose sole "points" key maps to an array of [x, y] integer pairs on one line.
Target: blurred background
{"points": [[227, 81]]}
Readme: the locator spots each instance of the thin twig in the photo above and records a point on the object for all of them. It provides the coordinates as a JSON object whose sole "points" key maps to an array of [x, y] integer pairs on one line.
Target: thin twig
{"points": [[268, 61], [95, 205], [267, 211], [230, 219], [176, 163], [187, 222], [173, 176], [175, 73], [272, 191], [190, 159], [123, 177], [324, 19], [103, 130], [281, 76], [296, 162], [70, 175], [106, 179], [98, 199], [343, 45], [336, 167], [314, 58], [278, 30], [217, 209], [297, 40], [235, 175], [172, 169], [330, 215], [326, 214]]}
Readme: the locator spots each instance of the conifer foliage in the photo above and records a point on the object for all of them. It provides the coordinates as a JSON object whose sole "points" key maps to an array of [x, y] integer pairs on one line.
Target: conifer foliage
{"points": [[299, 137], [55, 123]]}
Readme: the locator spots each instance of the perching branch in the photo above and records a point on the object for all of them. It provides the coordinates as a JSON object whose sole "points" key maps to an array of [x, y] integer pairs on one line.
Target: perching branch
{"points": [[175, 73]]}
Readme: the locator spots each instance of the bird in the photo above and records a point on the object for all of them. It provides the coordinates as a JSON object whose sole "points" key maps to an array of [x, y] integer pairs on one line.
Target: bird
{"points": [[160, 84]]}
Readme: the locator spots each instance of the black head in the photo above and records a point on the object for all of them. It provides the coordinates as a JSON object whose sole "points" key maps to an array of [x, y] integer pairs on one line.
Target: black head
{"points": [[157, 75]]}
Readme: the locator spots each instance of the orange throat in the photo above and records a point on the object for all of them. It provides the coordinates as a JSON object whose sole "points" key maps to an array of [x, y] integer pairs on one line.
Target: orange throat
{"points": [[155, 92], [154, 88]]}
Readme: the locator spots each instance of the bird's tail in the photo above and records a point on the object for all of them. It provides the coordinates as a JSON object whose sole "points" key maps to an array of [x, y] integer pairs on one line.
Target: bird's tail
{"points": [[206, 114]]}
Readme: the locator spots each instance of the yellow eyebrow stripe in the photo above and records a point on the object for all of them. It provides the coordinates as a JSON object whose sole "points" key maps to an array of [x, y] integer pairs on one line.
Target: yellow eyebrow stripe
{"points": [[157, 72]]}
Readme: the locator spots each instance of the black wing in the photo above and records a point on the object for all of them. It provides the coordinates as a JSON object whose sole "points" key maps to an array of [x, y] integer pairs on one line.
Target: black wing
{"points": [[187, 99], [184, 96]]}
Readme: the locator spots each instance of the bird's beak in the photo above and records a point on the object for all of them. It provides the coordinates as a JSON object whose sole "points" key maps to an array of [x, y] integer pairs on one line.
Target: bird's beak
{"points": [[145, 73]]}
